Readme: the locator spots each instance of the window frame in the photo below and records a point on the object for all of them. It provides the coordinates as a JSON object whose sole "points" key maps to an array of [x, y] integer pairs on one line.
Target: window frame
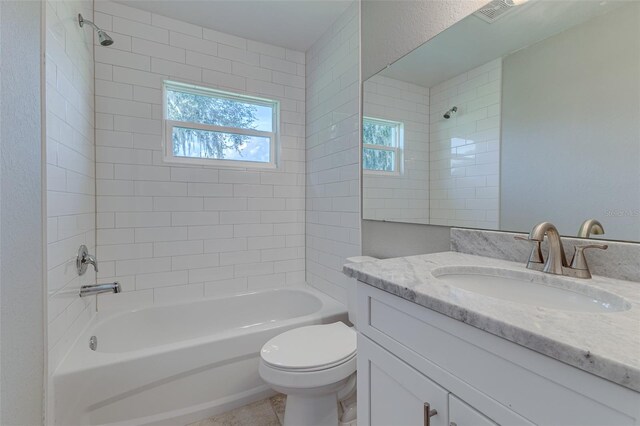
{"points": [[397, 149], [169, 125]]}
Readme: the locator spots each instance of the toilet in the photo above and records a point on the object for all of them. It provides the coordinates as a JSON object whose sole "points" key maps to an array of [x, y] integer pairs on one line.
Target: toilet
{"points": [[315, 366]]}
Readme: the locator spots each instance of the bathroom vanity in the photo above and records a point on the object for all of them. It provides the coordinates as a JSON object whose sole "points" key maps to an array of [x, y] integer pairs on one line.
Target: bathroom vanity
{"points": [[434, 350]]}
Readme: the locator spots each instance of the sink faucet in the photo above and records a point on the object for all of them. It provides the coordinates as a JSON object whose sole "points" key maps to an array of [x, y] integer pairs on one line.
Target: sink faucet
{"points": [[89, 290], [590, 226], [556, 259], [556, 262]]}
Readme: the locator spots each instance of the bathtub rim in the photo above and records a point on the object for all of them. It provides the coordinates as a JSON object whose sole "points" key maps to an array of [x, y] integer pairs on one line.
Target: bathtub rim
{"points": [[80, 357], [114, 314]]}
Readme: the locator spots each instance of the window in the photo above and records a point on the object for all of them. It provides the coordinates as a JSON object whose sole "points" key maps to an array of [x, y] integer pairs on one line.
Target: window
{"points": [[206, 126], [381, 141]]}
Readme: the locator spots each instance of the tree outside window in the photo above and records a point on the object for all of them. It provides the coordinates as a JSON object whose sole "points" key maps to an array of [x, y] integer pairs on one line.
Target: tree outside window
{"points": [[381, 146], [206, 126]]}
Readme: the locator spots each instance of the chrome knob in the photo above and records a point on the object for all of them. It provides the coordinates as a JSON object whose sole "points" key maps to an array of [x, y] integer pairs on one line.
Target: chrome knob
{"points": [[93, 343]]}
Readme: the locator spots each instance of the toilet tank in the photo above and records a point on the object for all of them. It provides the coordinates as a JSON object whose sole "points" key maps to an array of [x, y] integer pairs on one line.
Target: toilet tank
{"points": [[351, 290]]}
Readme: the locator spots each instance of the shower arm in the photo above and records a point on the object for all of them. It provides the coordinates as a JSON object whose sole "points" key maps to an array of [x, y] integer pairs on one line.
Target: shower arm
{"points": [[83, 21]]}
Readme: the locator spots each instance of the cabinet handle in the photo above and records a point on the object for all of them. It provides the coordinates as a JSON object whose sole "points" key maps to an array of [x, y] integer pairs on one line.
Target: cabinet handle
{"points": [[428, 413]]}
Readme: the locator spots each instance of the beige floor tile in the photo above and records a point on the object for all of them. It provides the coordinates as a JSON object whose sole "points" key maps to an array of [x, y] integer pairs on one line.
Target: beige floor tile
{"points": [[278, 403], [261, 413]]}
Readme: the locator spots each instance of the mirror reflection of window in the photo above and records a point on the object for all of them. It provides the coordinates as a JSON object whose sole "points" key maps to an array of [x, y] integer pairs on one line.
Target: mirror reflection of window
{"points": [[381, 142]]}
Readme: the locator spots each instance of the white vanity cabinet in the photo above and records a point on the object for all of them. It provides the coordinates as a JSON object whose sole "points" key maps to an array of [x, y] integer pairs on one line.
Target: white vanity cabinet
{"points": [[400, 395], [462, 414], [412, 360]]}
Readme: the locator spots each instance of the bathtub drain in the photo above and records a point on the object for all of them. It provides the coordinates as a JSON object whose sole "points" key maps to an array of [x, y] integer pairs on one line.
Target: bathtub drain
{"points": [[93, 343]]}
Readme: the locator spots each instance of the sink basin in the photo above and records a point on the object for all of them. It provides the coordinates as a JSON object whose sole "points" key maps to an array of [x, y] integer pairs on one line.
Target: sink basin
{"points": [[542, 290]]}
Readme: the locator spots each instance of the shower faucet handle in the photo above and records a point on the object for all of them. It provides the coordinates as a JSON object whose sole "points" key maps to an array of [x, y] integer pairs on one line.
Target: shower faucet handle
{"points": [[84, 259]]}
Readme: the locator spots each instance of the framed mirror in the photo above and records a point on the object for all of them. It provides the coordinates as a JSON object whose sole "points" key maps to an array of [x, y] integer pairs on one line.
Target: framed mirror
{"points": [[523, 112]]}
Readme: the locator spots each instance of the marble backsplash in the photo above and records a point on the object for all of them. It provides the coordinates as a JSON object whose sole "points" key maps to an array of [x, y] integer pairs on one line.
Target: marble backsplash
{"points": [[621, 260]]}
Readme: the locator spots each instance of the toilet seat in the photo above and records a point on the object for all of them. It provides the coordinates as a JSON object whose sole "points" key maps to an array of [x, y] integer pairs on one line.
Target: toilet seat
{"points": [[314, 358], [308, 382], [311, 348]]}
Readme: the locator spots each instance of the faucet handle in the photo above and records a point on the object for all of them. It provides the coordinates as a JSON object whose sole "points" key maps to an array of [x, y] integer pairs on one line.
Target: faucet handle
{"points": [[579, 260], [536, 252], [84, 259]]}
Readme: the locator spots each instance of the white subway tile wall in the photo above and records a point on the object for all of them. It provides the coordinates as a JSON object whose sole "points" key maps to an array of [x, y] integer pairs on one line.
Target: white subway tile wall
{"points": [[403, 197], [332, 154], [465, 149], [70, 171], [170, 232]]}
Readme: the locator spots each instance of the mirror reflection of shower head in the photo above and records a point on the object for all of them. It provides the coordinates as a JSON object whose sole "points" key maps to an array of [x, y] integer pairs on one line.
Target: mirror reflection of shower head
{"points": [[103, 37], [449, 113]]}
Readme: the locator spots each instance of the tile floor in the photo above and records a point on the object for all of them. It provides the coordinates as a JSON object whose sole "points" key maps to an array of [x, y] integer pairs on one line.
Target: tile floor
{"points": [[267, 412]]}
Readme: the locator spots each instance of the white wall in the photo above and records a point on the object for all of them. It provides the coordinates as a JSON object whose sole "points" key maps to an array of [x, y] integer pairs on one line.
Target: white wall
{"points": [[1, 135], [1, 81], [465, 149], [332, 154], [70, 155], [403, 197], [391, 28], [22, 334], [171, 233], [382, 239], [571, 139]]}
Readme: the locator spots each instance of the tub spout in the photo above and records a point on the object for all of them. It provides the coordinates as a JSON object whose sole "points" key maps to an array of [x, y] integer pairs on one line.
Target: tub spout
{"points": [[89, 290]]}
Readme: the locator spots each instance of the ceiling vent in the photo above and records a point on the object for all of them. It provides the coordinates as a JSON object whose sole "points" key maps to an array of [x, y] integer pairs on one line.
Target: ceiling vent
{"points": [[495, 10]]}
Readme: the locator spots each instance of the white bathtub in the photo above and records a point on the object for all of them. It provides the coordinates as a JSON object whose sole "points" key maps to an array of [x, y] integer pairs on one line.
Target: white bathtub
{"points": [[173, 364]]}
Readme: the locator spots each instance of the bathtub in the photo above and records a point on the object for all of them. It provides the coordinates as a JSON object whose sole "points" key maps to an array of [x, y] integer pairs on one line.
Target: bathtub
{"points": [[174, 364]]}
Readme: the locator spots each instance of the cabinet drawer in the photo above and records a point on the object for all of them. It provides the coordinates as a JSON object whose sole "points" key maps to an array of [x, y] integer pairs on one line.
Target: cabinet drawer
{"points": [[460, 414]]}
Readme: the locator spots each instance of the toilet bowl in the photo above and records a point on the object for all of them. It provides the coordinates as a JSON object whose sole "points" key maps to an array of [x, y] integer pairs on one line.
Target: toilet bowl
{"points": [[315, 366], [311, 365]]}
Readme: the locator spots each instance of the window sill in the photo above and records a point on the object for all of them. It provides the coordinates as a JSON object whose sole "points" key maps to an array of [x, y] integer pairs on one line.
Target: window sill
{"points": [[218, 164]]}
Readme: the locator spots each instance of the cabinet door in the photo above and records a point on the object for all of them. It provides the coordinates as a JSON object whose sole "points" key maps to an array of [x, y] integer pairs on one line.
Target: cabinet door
{"points": [[460, 414], [397, 394]]}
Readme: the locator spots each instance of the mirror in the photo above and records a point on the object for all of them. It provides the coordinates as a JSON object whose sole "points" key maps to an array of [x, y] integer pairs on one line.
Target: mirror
{"points": [[526, 111]]}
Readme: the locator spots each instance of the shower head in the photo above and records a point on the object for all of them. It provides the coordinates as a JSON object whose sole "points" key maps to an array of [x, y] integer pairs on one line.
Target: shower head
{"points": [[449, 113], [103, 37]]}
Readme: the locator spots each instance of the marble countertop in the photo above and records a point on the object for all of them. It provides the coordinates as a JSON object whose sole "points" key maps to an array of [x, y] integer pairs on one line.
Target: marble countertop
{"points": [[605, 344]]}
